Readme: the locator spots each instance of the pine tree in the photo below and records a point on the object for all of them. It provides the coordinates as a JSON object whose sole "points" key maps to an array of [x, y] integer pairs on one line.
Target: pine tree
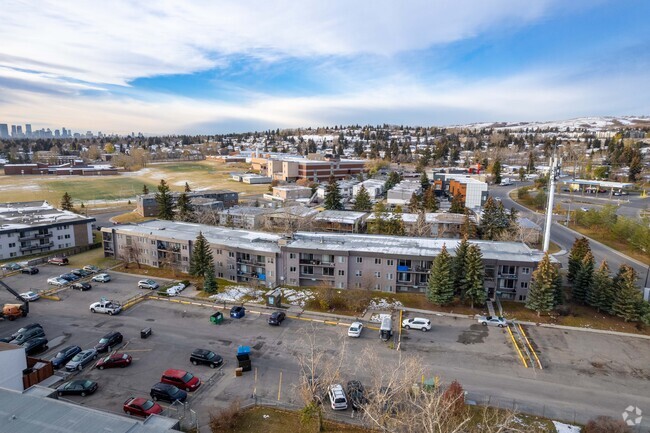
{"points": [[393, 179], [601, 295], [424, 181], [458, 267], [457, 204], [430, 201], [201, 259], [210, 284], [473, 277], [441, 282], [380, 222], [628, 296], [165, 202], [333, 199], [185, 208], [468, 229], [66, 202], [583, 279], [493, 221], [558, 295], [496, 172], [187, 187], [578, 251], [415, 204], [145, 189], [362, 201], [531, 162], [543, 287], [396, 223]]}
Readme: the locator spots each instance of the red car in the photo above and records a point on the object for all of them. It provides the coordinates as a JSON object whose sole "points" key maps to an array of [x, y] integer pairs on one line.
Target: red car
{"points": [[115, 360], [141, 407], [181, 379]]}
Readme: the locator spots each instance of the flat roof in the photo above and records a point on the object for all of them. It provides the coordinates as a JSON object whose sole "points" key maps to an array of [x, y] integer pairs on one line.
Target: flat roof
{"points": [[291, 187], [246, 210], [340, 216], [431, 217], [603, 183], [22, 215]]}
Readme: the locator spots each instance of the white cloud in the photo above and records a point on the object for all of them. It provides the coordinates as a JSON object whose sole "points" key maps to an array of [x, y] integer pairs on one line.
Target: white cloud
{"points": [[116, 41]]}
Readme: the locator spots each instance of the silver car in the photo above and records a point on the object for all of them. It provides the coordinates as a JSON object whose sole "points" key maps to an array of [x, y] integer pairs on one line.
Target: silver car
{"points": [[493, 320], [81, 359]]}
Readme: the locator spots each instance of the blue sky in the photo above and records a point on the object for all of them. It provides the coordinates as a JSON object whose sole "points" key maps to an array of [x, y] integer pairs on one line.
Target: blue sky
{"points": [[222, 66]]}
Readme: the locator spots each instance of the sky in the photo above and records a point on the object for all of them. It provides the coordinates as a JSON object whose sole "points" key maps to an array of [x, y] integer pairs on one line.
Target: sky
{"points": [[215, 66]]}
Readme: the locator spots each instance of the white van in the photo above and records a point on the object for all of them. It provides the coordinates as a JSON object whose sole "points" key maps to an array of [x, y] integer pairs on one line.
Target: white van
{"points": [[506, 181], [386, 328]]}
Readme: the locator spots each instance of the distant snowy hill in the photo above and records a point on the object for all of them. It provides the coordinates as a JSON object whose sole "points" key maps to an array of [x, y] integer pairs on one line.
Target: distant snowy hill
{"points": [[588, 123]]}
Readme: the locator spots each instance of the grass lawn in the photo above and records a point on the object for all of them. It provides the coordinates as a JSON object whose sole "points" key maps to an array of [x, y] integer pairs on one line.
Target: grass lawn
{"points": [[612, 242], [93, 257], [131, 217]]}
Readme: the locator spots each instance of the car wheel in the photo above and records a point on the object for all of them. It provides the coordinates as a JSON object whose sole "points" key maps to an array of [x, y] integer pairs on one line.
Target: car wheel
{"points": [[484, 323], [195, 363], [123, 365], [407, 327], [92, 310], [187, 389], [80, 367], [110, 313], [101, 367], [213, 366], [127, 412], [83, 394], [60, 394], [424, 329], [500, 325], [155, 398], [94, 356]]}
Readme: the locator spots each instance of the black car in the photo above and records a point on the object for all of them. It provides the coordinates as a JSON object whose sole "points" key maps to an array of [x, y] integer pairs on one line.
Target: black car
{"points": [[204, 356], [26, 328], [31, 270], [109, 340], [167, 392], [356, 394], [82, 286], [80, 273], [28, 334], [69, 277], [6, 339], [82, 387], [276, 318], [237, 312], [35, 345], [64, 355]]}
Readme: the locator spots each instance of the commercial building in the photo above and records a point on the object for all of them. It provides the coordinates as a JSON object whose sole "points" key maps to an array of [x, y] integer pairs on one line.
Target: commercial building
{"points": [[148, 206], [76, 168], [4, 130], [37, 227], [374, 187], [294, 168], [402, 193], [387, 263]]}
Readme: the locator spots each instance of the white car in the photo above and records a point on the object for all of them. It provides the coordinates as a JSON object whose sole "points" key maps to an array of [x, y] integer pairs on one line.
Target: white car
{"points": [[175, 290], [417, 323], [355, 329], [493, 320], [338, 400], [30, 296], [102, 278], [105, 306], [57, 281], [584, 209]]}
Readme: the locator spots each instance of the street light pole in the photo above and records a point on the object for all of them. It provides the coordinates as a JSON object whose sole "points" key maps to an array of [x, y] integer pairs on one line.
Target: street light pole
{"points": [[549, 208]]}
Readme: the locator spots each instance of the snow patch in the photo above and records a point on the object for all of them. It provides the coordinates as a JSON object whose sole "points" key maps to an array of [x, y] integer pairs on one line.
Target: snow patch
{"points": [[237, 293], [384, 304], [297, 297], [565, 428]]}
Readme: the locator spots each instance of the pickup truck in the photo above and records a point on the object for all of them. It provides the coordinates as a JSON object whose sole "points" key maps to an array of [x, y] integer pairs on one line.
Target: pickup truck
{"points": [[106, 307]]}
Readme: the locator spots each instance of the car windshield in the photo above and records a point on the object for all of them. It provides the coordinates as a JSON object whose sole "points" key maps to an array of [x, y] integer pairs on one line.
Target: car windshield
{"points": [[107, 359], [60, 355], [187, 377], [210, 355], [147, 405], [173, 390], [103, 340], [354, 328], [87, 384], [77, 357]]}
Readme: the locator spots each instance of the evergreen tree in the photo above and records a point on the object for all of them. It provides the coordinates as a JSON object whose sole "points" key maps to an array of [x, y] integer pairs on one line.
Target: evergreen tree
{"points": [[543, 287], [66, 202], [362, 201], [468, 229], [474, 276], [578, 251], [457, 204], [415, 204], [145, 189], [558, 295], [601, 295], [187, 187], [522, 174], [458, 267], [583, 279], [165, 202], [396, 223], [380, 222], [393, 179], [185, 208], [531, 162], [210, 284], [627, 296], [333, 198], [201, 259], [430, 201], [496, 172], [493, 221], [424, 181], [441, 281]]}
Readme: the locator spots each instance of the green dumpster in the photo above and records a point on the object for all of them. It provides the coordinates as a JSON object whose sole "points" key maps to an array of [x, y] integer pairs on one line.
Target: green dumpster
{"points": [[217, 318]]}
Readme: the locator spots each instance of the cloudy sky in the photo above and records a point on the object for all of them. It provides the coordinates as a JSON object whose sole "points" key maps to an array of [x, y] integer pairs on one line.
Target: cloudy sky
{"points": [[210, 66]]}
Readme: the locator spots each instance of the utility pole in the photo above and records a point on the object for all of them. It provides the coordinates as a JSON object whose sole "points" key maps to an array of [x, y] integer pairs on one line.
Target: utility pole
{"points": [[552, 174]]}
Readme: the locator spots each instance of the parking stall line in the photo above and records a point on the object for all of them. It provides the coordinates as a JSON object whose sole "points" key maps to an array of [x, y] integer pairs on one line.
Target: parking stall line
{"points": [[530, 347], [514, 342]]}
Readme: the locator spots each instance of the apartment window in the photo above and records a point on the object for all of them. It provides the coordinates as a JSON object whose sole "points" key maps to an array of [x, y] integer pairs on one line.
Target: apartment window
{"points": [[389, 276], [184, 258], [341, 259], [270, 273], [359, 259], [357, 273], [293, 281], [390, 262], [389, 288], [507, 284], [377, 274], [67, 237], [404, 277], [232, 278], [220, 274], [153, 242], [184, 247], [231, 254], [377, 261], [292, 255], [12, 245], [219, 252], [508, 270], [269, 260], [292, 269], [525, 271], [524, 284], [12, 254], [308, 270], [328, 272], [341, 272], [231, 267], [522, 297]]}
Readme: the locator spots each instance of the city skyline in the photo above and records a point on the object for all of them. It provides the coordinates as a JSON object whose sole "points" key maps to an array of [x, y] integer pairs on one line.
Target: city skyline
{"points": [[226, 67]]}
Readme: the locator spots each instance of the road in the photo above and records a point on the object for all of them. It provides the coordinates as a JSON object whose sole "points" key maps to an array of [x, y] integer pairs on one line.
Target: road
{"points": [[565, 237]]}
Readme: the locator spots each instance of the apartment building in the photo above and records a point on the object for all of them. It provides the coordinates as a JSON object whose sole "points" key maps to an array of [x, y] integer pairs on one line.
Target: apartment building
{"points": [[386, 263], [291, 192], [474, 192], [435, 225], [37, 227], [244, 217], [148, 206], [375, 188], [402, 193], [294, 168]]}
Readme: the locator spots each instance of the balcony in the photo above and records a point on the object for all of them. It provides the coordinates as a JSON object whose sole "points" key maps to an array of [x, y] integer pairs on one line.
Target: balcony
{"points": [[252, 262], [36, 247], [315, 262], [508, 276]]}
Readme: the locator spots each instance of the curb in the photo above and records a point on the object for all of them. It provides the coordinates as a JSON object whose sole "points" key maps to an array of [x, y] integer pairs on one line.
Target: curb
{"points": [[595, 331]]}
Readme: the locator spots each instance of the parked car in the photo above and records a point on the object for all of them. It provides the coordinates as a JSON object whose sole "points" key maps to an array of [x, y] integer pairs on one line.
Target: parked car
{"points": [[584, 209], [417, 323], [101, 278], [493, 320], [64, 355], [338, 400], [204, 356], [81, 359], [82, 387], [237, 312], [276, 318], [356, 394], [141, 407], [167, 392], [109, 340], [182, 379], [30, 270], [28, 334], [69, 277], [57, 281], [82, 286], [175, 290], [105, 306], [80, 273], [11, 267], [355, 329], [91, 268], [25, 329], [115, 360], [35, 345], [148, 284], [30, 296], [59, 261]]}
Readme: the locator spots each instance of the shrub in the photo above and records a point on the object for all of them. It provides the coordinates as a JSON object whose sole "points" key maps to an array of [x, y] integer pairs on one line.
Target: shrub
{"points": [[605, 424], [225, 419], [454, 399], [564, 310]]}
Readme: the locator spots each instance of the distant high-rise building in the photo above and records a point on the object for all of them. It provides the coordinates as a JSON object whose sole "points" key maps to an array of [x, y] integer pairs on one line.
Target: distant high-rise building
{"points": [[4, 130], [64, 133], [28, 130], [19, 130], [13, 131], [57, 133]]}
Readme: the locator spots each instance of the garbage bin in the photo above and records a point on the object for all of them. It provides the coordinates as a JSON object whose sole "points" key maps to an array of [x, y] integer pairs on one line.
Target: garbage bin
{"points": [[238, 371], [217, 318], [145, 333]]}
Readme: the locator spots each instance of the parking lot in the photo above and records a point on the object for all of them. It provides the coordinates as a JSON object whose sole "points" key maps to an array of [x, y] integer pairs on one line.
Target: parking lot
{"points": [[599, 371]]}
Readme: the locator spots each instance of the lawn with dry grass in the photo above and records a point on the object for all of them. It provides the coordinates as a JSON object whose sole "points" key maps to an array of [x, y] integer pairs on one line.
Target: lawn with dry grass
{"points": [[607, 238], [131, 217]]}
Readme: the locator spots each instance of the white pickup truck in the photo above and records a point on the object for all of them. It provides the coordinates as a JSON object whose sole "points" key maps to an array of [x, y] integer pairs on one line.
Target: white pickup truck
{"points": [[105, 306]]}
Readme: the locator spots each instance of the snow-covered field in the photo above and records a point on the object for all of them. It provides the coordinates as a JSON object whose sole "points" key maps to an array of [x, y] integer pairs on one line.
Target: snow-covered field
{"points": [[297, 297], [565, 428]]}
